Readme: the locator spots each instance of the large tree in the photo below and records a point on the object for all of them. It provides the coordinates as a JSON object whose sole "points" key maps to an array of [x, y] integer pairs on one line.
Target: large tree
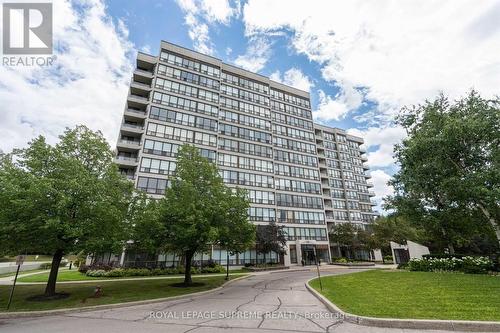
{"points": [[270, 238], [197, 208], [62, 199], [235, 233], [450, 164], [393, 227]]}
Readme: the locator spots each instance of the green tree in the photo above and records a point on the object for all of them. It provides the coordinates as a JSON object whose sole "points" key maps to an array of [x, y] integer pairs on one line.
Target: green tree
{"points": [[235, 233], [63, 199], [393, 228], [344, 235], [450, 165], [197, 207], [270, 238]]}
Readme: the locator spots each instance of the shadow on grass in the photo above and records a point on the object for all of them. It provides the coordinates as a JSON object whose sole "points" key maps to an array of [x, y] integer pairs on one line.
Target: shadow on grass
{"points": [[187, 285]]}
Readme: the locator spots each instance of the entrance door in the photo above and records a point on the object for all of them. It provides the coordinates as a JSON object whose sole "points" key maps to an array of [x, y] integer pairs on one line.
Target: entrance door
{"points": [[308, 254], [401, 255]]}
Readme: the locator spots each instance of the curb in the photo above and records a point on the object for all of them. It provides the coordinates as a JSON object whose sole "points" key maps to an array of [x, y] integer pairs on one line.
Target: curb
{"points": [[419, 324], [27, 314]]}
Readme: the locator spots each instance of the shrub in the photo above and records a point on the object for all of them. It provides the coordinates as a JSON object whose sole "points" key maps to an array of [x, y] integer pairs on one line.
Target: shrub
{"points": [[48, 265], [388, 259], [249, 264], [473, 265], [83, 268], [215, 269], [340, 260]]}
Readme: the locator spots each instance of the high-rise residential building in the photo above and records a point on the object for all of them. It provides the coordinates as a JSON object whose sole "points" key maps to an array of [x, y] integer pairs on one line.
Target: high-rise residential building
{"points": [[258, 131], [345, 181]]}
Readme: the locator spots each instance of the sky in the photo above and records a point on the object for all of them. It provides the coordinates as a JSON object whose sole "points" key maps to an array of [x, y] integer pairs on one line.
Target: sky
{"points": [[361, 61]]}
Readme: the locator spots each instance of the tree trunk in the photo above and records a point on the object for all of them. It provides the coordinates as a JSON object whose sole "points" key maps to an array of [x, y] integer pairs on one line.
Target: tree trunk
{"points": [[187, 273], [50, 289], [227, 265], [491, 220], [451, 248]]}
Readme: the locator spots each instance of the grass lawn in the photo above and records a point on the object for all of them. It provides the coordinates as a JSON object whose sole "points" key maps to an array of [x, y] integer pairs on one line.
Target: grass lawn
{"points": [[418, 295], [113, 292], [23, 272], [74, 275]]}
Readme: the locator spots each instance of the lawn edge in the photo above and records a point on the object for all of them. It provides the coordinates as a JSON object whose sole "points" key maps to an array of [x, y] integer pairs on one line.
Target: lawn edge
{"points": [[423, 324], [26, 314]]}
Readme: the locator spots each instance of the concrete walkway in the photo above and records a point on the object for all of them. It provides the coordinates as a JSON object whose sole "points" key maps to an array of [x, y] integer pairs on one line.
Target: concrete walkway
{"points": [[266, 302]]}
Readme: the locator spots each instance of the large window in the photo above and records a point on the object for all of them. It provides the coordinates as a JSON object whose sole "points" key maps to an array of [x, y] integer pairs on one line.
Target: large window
{"points": [[261, 214], [152, 165], [152, 185], [191, 64], [290, 200], [297, 186], [301, 217]]}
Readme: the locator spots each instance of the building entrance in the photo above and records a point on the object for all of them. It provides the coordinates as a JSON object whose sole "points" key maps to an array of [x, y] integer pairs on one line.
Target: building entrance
{"points": [[308, 254]]}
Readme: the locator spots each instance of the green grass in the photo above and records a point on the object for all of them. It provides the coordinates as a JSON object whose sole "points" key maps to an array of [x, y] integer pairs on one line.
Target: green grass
{"points": [[418, 295], [23, 272], [30, 257], [113, 292], [74, 275]]}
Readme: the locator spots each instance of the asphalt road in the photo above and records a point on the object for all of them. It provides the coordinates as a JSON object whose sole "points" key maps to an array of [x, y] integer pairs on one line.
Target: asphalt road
{"points": [[268, 303]]}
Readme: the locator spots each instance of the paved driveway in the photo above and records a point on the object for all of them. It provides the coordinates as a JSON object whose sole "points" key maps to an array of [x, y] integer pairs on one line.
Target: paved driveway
{"points": [[268, 303]]}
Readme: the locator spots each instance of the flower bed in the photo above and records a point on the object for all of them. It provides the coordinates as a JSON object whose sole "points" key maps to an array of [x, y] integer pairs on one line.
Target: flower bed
{"points": [[124, 272], [468, 264]]}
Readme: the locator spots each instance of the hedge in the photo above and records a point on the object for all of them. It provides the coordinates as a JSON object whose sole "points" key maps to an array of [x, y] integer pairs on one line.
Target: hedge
{"points": [[467, 264]]}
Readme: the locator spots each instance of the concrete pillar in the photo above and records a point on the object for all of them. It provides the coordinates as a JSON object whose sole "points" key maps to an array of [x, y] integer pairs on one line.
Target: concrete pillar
{"points": [[122, 257]]}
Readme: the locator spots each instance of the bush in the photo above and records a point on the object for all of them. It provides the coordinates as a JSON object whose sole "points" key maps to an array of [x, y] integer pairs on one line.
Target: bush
{"points": [[388, 259], [249, 264], [48, 265], [213, 269], [472, 265], [340, 260], [83, 268]]}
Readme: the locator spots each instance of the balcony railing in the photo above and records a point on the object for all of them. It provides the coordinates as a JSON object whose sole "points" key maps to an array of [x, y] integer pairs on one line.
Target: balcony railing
{"points": [[130, 142], [126, 158], [138, 127]]}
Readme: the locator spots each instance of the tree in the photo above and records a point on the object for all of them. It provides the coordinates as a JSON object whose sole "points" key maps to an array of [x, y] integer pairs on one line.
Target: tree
{"points": [[393, 228], [63, 199], [450, 165], [197, 207], [235, 233], [344, 235], [271, 238]]}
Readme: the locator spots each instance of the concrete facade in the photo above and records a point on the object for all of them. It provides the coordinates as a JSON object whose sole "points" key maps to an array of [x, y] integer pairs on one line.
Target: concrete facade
{"points": [[259, 132]]}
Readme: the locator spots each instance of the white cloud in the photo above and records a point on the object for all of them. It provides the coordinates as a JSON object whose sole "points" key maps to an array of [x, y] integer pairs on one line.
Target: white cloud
{"points": [[256, 56], [383, 140], [87, 84], [293, 77], [400, 53], [199, 14], [337, 108], [380, 179]]}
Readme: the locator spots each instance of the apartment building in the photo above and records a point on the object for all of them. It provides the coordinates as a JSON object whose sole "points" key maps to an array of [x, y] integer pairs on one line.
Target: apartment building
{"points": [[259, 132], [345, 181]]}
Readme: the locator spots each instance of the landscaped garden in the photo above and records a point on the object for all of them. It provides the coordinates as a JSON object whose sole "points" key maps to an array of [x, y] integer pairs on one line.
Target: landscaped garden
{"points": [[80, 294], [418, 295], [119, 273]]}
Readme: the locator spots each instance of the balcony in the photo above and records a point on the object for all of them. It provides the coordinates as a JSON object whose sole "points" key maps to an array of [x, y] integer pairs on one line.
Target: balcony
{"points": [[128, 145], [131, 129], [126, 161], [140, 89], [137, 102], [371, 193], [369, 183], [141, 75], [133, 114]]}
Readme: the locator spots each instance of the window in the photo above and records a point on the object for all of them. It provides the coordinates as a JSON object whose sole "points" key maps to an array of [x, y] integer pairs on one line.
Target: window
{"points": [[152, 165], [152, 185]]}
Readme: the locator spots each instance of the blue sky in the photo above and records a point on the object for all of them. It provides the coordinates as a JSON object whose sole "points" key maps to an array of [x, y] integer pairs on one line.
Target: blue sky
{"points": [[361, 60]]}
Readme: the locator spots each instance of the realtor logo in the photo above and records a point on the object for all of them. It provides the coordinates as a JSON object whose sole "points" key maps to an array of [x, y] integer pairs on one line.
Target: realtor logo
{"points": [[27, 28]]}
